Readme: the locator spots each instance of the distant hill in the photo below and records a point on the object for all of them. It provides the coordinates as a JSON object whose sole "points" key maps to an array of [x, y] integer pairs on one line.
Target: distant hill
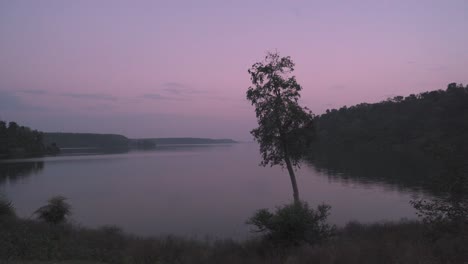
{"points": [[87, 140], [428, 122], [188, 141], [114, 141]]}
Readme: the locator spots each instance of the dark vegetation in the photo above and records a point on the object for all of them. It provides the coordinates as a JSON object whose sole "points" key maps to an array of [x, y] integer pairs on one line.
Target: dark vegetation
{"points": [[285, 129], [55, 212], [293, 225], [87, 140], [19, 141], [431, 126], [6, 208], [114, 142], [417, 124], [421, 140], [403, 242]]}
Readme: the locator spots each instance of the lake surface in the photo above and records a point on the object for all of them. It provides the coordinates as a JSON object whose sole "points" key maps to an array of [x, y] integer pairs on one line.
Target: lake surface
{"points": [[194, 191]]}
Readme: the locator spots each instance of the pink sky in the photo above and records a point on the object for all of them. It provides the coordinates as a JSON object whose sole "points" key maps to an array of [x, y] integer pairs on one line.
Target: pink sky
{"points": [[179, 68]]}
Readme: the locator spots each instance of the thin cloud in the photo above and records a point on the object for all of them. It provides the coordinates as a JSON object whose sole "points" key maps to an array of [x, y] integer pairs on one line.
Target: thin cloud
{"points": [[174, 85], [154, 96], [93, 96], [176, 88], [33, 91]]}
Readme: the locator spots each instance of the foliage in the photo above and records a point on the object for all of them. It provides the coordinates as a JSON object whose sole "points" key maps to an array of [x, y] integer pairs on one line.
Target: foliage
{"points": [[402, 242], [6, 208], [55, 212], [293, 224], [415, 123], [275, 96], [425, 135], [442, 214], [447, 213], [20, 141], [285, 129]]}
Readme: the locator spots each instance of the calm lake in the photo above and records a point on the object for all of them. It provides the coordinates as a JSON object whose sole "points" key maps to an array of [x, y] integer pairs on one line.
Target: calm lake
{"points": [[194, 191]]}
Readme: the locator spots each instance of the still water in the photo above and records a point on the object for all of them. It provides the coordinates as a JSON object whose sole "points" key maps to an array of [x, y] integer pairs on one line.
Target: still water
{"points": [[194, 191]]}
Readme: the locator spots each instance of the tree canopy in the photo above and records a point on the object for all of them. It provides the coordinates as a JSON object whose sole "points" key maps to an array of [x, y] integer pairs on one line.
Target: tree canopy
{"points": [[416, 123], [20, 141], [285, 128]]}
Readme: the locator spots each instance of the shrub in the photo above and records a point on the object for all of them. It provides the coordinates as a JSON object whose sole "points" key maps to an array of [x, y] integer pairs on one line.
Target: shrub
{"points": [[443, 217], [55, 212], [293, 224], [6, 208]]}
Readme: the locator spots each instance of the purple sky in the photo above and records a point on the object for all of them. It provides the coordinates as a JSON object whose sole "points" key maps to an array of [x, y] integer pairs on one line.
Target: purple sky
{"points": [[179, 68]]}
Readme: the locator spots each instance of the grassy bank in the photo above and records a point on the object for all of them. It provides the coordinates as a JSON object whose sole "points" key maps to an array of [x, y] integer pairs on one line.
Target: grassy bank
{"points": [[402, 242]]}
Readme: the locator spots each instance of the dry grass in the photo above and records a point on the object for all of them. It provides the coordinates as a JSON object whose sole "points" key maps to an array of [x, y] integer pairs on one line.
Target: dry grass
{"points": [[404, 242]]}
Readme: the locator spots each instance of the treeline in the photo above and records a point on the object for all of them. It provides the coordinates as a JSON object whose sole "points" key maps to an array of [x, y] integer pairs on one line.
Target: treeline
{"points": [[422, 123], [120, 142], [91, 140], [21, 141], [188, 141], [87, 140]]}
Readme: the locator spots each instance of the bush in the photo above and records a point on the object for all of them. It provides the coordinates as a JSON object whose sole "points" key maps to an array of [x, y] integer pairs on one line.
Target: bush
{"points": [[55, 212], [443, 217], [293, 224], [6, 208]]}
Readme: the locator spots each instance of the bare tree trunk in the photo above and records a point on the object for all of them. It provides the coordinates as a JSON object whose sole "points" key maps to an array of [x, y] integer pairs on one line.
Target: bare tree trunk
{"points": [[290, 168], [292, 176]]}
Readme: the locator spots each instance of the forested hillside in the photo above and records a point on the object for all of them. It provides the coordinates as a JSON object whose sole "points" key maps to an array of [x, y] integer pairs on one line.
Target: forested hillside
{"points": [[417, 123], [87, 140], [21, 141], [114, 141]]}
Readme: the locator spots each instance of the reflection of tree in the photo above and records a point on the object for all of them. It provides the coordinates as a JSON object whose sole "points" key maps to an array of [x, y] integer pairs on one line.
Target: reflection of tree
{"points": [[15, 171], [448, 213], [394, 170]]}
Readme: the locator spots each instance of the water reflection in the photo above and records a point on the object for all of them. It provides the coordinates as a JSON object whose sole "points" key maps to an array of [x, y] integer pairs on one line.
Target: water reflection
{"points": [[395, 170], [14, 171], [195, 190]]}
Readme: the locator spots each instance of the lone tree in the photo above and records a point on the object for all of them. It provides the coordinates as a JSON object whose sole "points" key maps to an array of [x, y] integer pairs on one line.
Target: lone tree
{"points": [[285, 129]]}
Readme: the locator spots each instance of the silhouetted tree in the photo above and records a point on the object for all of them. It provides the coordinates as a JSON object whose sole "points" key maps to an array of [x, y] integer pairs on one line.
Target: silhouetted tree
{"points": [[20, 141], [293, 224], [285, 128], [55, 212]]}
